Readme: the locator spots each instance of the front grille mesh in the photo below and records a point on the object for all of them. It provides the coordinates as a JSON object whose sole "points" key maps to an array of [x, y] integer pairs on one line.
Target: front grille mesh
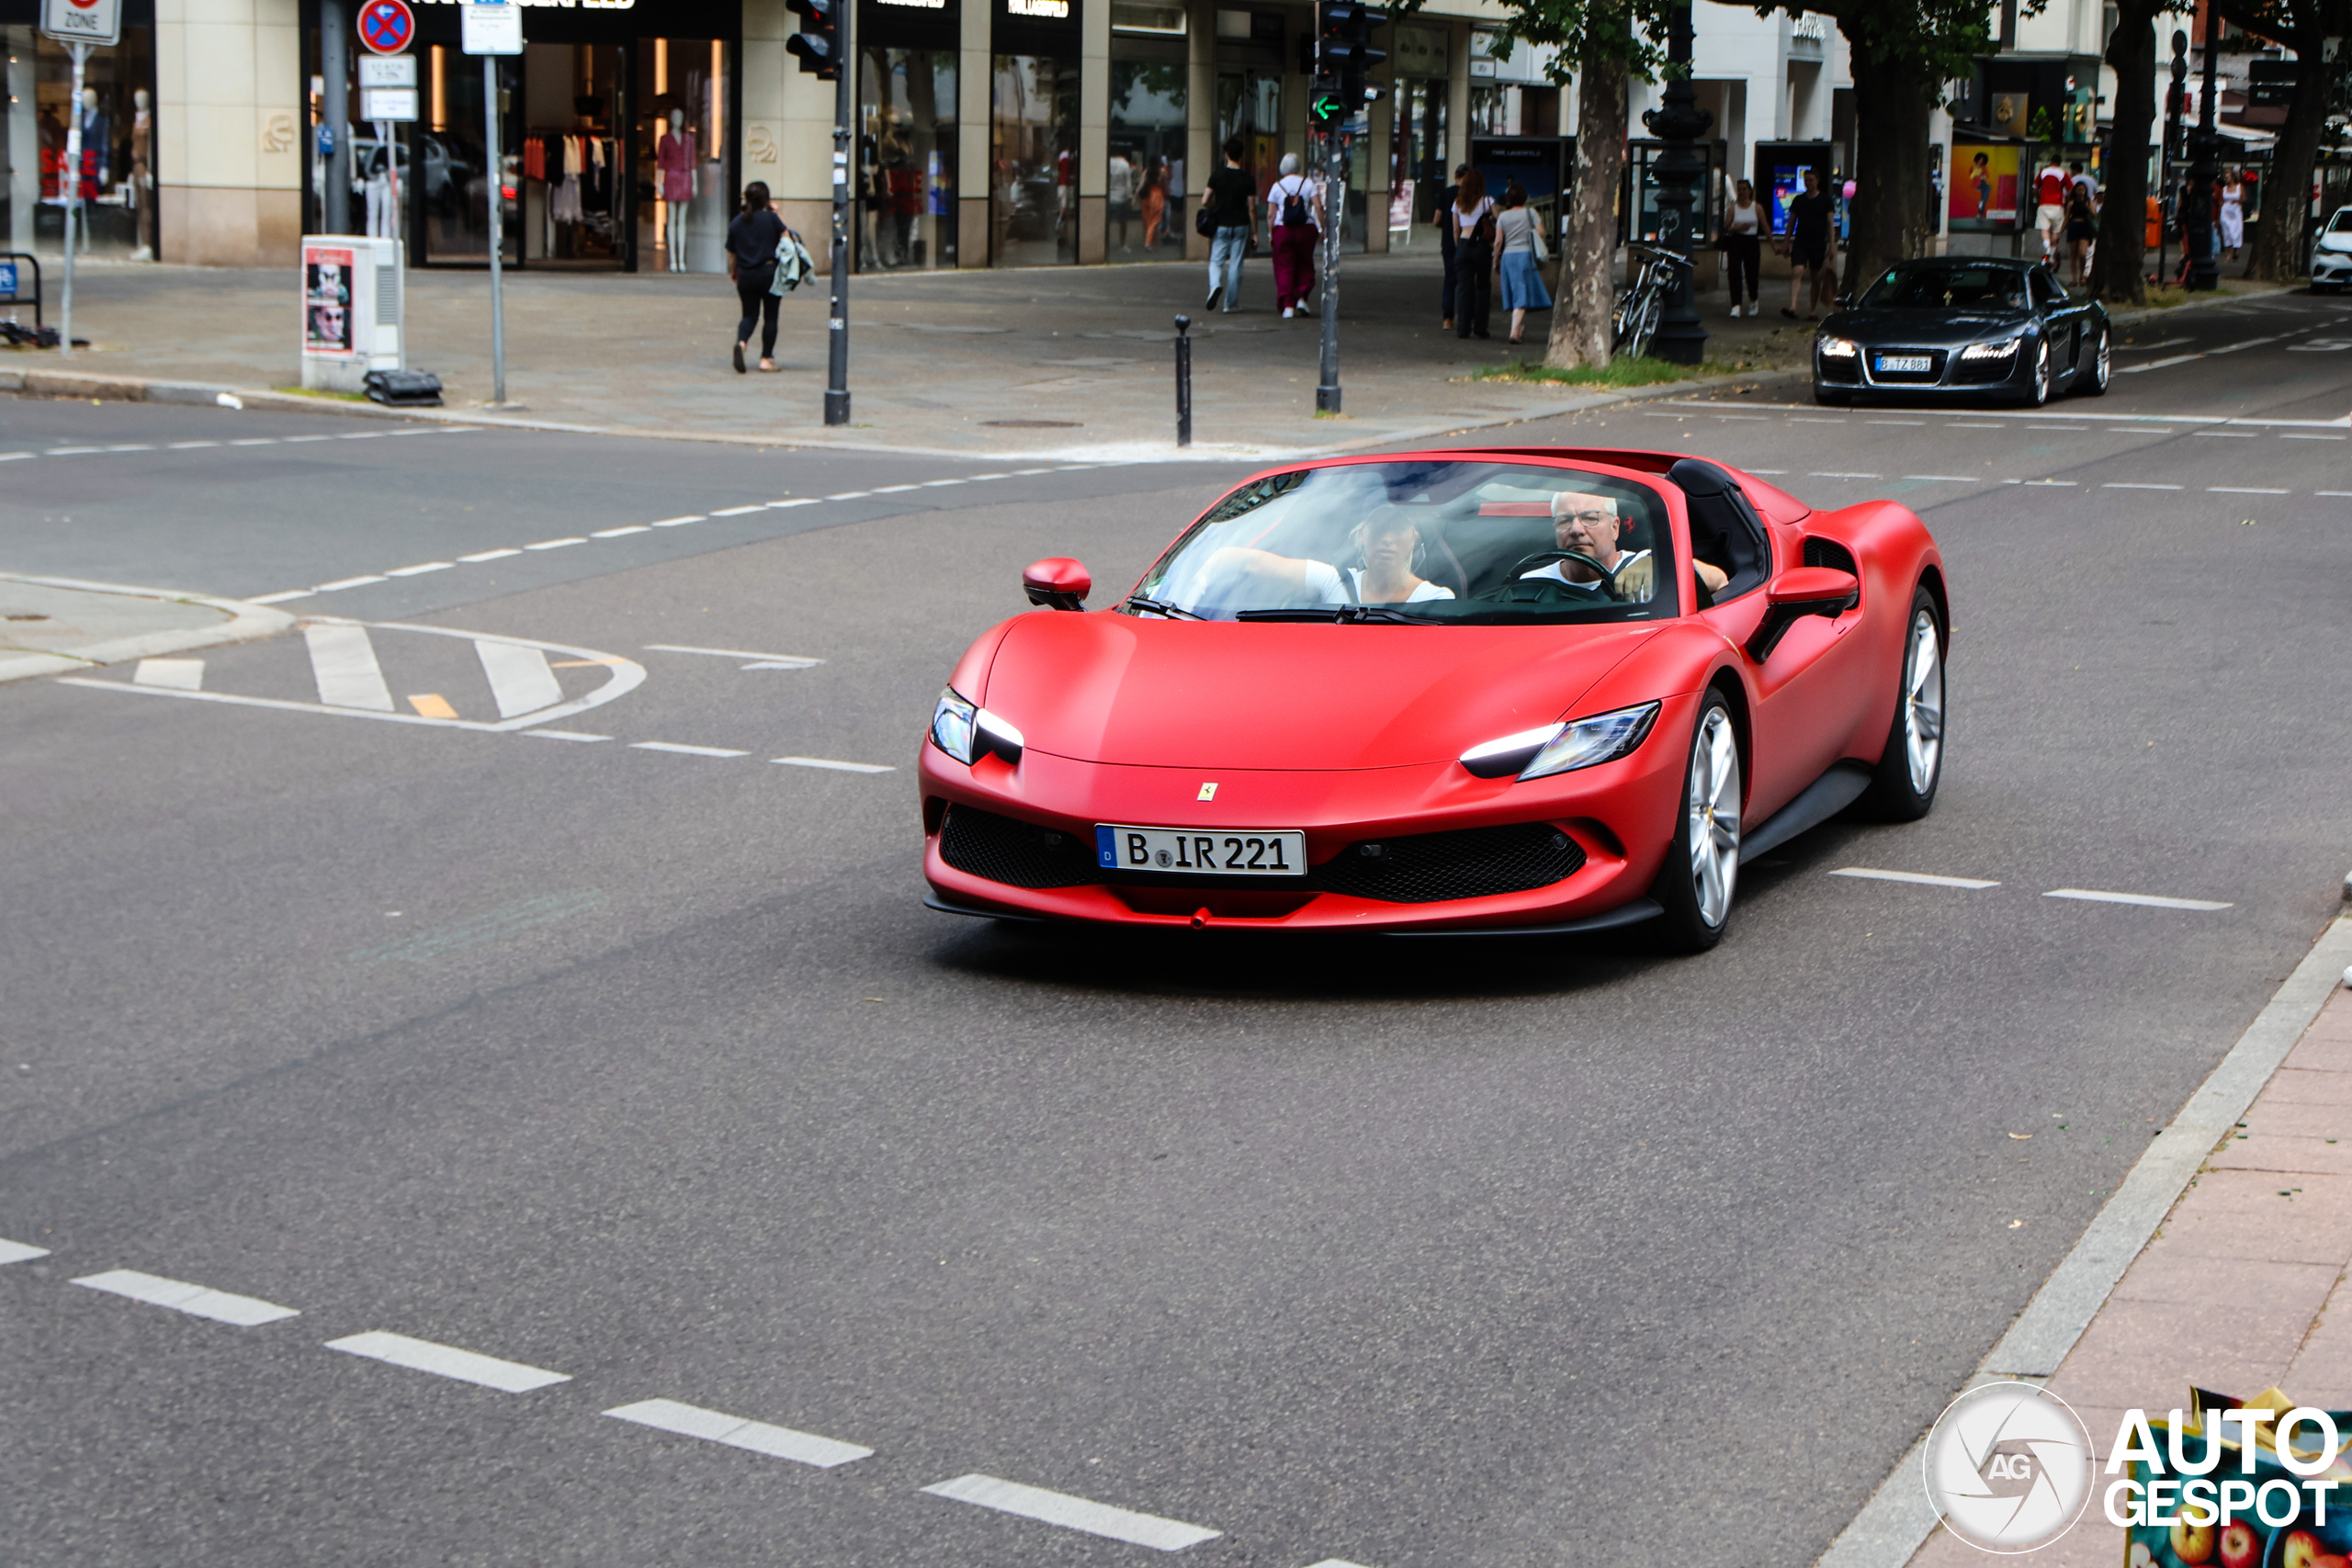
{"points": [[1017, 854], [1429, 868], [1418, 868]]}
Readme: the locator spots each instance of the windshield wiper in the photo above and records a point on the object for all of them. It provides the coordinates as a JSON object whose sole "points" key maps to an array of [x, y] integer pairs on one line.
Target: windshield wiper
{"points": [[1160, 607], [1358, 612]]}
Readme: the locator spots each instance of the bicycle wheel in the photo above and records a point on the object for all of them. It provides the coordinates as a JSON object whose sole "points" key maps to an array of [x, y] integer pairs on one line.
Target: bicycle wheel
{"points": [[1643, 324]]}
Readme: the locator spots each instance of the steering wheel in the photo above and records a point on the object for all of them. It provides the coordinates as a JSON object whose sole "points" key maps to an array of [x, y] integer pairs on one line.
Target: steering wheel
{"points": [[1543, 558]]}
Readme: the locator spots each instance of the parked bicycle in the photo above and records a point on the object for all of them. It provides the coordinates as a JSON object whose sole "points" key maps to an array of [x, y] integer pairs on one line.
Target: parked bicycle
{"points": [[1643, 304]]}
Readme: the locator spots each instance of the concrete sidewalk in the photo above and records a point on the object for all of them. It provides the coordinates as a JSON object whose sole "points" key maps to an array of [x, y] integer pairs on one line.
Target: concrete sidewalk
{"points": [[51, 626], [2243, 1287]]}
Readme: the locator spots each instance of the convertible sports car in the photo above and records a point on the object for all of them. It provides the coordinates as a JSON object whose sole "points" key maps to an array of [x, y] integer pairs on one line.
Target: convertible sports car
{"points": [[1963, 326], [1455, 692]]}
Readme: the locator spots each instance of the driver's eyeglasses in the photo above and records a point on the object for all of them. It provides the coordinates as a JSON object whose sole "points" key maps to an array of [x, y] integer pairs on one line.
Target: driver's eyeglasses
{"points": [[1589, 519]]}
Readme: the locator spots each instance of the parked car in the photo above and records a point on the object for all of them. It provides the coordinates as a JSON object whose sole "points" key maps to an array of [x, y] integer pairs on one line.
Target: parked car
{"points": [[2332, 253]]}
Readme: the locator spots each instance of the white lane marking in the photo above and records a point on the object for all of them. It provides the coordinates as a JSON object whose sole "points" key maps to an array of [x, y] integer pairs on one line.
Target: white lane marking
{"points": [[677, 522], [934, 484], [1944, 478], [1073, 1513], [488, 555], [685, 749], [2156, 363], [342, 583], [519, 676], [1757, 418], [557, 544], [893, 489], [2247, 342], [798, 500], [343, 661], [17, 1252], [255, 441], [291, 440], [1774, 472], [1335, 1562], [421, 568], [856, 494], [1826, 474], [1891, 421], [192, 445], [564, 735], [445, 1360], [829, 763], [280, 598], [625, 528], [240, 1312], [71, 451], [2302, 435], [2338, 493], [2225, 434], [711, 1426], [2151, 348], [738, 511], [179, 674], [15, 457], [2125, 484], [365, 435], [1959, 427], [2067, 484], [770, 660], [2078, 428], [1810, 419], [1921, 877], [2241, 489], [131, 447], [2149, 899], [983, 479]]}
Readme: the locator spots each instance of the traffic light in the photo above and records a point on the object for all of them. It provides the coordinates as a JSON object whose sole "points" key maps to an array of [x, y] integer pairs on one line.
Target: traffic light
{"points": [[1343, 60], [818, 41]]}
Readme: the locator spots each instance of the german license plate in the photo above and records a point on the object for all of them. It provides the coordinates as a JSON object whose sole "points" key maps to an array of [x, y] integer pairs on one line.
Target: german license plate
{"points": [[1227, 851], [1902, 364]]}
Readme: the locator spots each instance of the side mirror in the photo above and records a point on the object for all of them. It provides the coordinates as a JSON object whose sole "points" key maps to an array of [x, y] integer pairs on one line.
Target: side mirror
{"points": [[1846, 300], [1796, 593], [1057, 580]]}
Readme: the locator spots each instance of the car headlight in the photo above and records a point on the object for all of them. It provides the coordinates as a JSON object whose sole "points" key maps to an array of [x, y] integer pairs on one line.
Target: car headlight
{"points": [[969, 733], [2000, 350], [1838, 347], [1563, 748]]}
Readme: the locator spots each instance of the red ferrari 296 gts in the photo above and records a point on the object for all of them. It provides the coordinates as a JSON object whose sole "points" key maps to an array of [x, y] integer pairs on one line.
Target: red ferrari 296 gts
{"points": [[1458, 693]]}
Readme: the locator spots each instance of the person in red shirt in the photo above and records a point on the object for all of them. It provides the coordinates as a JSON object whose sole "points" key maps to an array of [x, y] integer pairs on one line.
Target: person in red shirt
{"points": [[2049, 213]]}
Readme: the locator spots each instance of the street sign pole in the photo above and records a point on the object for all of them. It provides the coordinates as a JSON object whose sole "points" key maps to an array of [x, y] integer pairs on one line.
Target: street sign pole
{"points": [[76, 23], [837, 374], [73, 188], [497, 232]]}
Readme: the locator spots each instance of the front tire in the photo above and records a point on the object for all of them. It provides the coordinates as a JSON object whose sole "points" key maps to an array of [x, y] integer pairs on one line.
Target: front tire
{"points": [[1904, 789], [1694, 887], [2037, 387], [2101, 368]]}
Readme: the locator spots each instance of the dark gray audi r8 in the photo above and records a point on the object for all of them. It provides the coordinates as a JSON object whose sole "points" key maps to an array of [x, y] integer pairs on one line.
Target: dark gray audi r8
{"points": [[1964, 327]]}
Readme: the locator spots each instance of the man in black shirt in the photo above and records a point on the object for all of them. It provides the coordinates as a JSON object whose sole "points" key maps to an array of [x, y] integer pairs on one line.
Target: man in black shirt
{"points": [[1809, 217], [1231, 205]]}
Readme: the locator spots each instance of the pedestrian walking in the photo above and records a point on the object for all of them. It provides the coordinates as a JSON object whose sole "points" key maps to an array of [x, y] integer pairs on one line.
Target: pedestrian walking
{"points": [[2050, 209], [1473, 216], [2082, 228], [1155, 203], [1442, 219], [1744, 246], [1809, 215], [752, 242], [1228, 216], [1518, 258], [1295, 209]]}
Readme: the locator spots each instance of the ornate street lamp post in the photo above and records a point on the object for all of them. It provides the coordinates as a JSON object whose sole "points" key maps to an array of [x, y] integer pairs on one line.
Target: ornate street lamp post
{"points": [[1679, 122]]}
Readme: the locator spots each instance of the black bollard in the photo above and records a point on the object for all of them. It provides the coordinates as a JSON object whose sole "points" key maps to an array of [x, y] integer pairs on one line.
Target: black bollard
{"points": [[1183, 381]]}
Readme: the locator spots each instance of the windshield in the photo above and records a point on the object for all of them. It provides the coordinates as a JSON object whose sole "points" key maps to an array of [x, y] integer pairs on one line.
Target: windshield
{"points": [[1470, 542], [1948, 288], [2342, 222]]}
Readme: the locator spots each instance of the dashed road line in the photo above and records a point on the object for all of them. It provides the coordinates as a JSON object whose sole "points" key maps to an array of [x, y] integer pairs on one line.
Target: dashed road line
{"points": [[239, 1312], [564, 735], [447, 1361], [835, 765], [622, 532], [422, 568], [20, 1252], [1945, 479], [557, 544], [338, 586], [2124, 484], [678, 522], [1826, 474], [2150, 900], [763, 661], [1073, 1513], [739, 511], [2241, 489], [1874, 874], [736, 1432], [684, 750]]}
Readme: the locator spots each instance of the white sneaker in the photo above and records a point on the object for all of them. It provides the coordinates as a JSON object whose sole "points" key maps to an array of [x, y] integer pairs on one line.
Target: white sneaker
{"points": [[1288, 313]]}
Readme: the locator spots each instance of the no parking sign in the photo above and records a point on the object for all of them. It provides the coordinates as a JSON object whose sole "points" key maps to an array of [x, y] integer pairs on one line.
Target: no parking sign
{"points": [[82, 21], [387, 26]]}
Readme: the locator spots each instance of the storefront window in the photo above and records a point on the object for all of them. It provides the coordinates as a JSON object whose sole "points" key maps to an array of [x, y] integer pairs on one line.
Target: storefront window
{"points": [[683, 202], [1417, 173], [118, 145], [1033, 160], [1249, 105], [1147, 188], [452, 183], [577, 183], [906, 159]]}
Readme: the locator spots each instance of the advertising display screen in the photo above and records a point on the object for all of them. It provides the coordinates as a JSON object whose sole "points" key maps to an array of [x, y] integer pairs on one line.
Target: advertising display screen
{"points": [[1983, 188]]}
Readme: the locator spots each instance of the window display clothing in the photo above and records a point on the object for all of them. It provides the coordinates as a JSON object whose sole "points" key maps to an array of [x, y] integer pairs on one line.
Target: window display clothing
{"points": [[676, 157]]}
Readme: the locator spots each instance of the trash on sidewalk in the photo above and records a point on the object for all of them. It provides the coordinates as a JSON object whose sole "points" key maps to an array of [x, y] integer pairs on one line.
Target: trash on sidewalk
{"points": [[404, 388]]}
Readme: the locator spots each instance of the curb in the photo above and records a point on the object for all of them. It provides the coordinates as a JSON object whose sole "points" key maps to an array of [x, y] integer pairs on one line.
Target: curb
{"points": [[247, 622], [1898, 1518]]}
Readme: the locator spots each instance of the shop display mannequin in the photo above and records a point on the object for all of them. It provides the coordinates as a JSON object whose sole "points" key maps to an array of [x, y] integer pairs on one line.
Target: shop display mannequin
{"points": [[142, 173], [675, 156]]}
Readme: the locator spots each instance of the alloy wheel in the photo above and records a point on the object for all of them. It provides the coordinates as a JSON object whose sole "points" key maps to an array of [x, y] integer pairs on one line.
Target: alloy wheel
{"points": [[2105, 367], [1922, 702], [2042, 373], [1713, 816]]}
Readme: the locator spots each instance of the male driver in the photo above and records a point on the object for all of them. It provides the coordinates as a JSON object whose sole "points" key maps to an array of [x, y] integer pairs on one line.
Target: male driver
{"points": [[2050, 214], [1589, 525]]}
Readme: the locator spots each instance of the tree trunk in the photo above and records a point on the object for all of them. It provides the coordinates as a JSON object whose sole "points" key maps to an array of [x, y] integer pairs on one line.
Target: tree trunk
{"points": [[2119, 264], [2278, 247], [1888, 215], [1581, 328]]}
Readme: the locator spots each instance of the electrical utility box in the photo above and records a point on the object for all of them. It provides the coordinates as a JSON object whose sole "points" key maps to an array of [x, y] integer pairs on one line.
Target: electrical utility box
{"points": [[353, 303]]}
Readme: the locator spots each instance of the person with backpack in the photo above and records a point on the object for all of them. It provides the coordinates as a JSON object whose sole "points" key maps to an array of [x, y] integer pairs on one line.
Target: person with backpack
{"points": [[751, 243], [1295, 208], [1229, 217]]}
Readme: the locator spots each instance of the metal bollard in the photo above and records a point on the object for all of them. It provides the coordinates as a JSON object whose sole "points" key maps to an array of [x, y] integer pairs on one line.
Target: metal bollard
{"points": [[1183, 381]]}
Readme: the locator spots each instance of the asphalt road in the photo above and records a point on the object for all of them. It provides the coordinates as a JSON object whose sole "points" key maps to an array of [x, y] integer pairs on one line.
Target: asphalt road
{"points": [[648, 1068]]}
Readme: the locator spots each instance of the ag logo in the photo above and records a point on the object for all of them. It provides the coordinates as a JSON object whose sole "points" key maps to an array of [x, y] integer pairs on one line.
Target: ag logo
{"points": [[2008, 1467]]}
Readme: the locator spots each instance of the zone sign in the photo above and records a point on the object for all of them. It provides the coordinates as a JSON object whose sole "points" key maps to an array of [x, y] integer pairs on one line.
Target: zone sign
{"points": [[387, 26], [82, 21]]}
